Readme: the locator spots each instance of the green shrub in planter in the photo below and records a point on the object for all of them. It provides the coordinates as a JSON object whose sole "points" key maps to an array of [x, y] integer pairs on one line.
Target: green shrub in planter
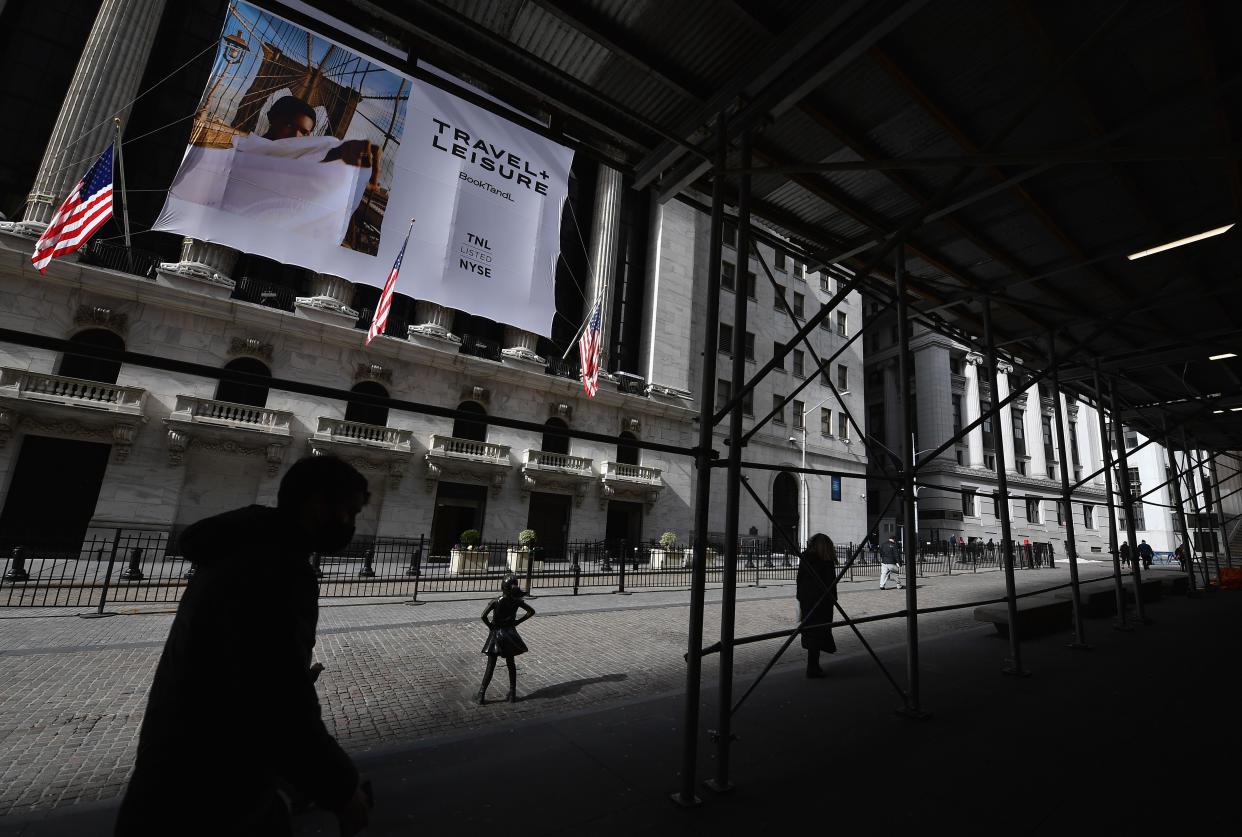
{"points": [[668, 540], [471, 538], [526, 538]]}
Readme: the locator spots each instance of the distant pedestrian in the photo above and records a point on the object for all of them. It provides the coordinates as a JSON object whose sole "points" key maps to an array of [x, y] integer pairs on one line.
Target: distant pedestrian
{"points": [[1146, 554], [991, 547], [1125, 553], [817, 595], [233, 722], [504, 640], [1027, 552], [1180, 554], [890, 563]]}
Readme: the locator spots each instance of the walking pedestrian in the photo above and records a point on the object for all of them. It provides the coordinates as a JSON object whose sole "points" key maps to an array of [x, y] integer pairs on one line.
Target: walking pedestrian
{"points": [[1125, 553], [232, 721], [1180, 554], [817, 595], [504, 640], [890, 563], [1145, 553]]}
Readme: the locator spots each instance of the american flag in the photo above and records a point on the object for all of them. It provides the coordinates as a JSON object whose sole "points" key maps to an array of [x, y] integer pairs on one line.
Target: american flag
{"points": [[380, 321], [86, 209], [588, 353]]}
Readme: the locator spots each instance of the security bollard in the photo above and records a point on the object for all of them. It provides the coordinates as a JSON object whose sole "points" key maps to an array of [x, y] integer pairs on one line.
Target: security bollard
{"points": [[17, 569], [134, 571]]}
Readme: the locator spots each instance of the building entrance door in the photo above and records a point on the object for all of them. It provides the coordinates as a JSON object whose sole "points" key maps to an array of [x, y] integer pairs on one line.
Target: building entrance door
{"points": [[624, 528], [52, 496], [458, 507], [549, 517], [785, 513]]}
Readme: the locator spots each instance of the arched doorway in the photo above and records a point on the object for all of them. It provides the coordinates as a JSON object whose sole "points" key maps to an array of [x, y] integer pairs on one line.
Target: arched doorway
{"points": [[553, 443], [90, 368], [367, 413], [475, 431], [785, 513], [252, 395], [627, 451]]}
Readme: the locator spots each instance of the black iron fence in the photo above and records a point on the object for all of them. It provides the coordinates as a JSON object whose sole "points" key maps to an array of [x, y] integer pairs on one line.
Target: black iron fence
{"points": [[119, 257], [136, 566]]}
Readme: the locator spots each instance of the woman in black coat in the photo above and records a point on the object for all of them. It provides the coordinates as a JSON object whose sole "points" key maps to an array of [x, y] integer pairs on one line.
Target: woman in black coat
{"points": [[817, 594]]}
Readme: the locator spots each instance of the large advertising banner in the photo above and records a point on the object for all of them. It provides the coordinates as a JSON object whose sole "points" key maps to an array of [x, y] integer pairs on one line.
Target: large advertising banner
{"points": [[306, 153]]}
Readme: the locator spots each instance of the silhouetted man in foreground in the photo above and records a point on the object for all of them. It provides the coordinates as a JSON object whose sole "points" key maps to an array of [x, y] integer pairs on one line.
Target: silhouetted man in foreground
{"points": [[232, 715]]}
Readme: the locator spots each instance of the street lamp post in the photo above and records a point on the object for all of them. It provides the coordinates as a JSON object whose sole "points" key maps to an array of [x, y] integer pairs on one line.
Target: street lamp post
{"points": [[915, 481], [805, 504]]}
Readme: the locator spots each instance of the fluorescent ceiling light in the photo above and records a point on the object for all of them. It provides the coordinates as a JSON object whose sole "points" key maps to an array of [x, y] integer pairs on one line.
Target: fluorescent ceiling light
{"points": [[1235, 409], [1225, 356], [1218, 411], [1180, 242]]}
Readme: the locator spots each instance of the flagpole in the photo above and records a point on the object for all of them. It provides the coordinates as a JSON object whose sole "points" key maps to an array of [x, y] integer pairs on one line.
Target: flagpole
{"points": [[574, 342], [120, 160]]}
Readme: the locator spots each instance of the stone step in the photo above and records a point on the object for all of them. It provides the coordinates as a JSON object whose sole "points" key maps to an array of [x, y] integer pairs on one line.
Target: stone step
{"points": [[1037, 615]]}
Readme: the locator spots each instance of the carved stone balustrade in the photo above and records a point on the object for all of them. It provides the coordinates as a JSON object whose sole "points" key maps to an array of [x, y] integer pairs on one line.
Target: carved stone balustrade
{"points": [[542, 469], [448, 456]]}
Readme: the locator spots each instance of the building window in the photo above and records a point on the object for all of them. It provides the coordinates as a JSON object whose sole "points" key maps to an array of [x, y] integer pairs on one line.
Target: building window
{"points": [[798, 409], [825, 421], [836, 489], [728, 274], [968, 502], [1088, 516], [750, 346], [826, 322], [1032, 510], [843, 426], [1060, 512], [778, 300], [1131, 438], [778, 404], [957, 365], [554, 442], [841, 324], [1073, 443], [961, 457], [799, 362], [989, 461], [251, 395], [986, 425], [799, 306], [748, 403], [777, 348], [1019, 434], [365, 413], [724, 392], [750, 285], [1052, 471], [730, 234], [825, 283], [725, 343], [1020, 466], [843, 377], [779, 259], [957, 414]]}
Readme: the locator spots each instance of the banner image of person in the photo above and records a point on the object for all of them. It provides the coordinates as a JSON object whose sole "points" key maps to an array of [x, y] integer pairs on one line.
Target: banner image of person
{"points": [[309, 154], [292, 142]]}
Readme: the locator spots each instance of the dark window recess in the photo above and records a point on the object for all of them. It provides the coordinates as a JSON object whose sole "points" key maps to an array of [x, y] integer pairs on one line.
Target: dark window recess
{"points": [[630, 279], [728, 275], [750, 285], [88, 367], [266, 282], [750, 345], [367, 413], [627, 451], [553, 443], [777, 347], [724, 342], [250, 394], [472, 429]]}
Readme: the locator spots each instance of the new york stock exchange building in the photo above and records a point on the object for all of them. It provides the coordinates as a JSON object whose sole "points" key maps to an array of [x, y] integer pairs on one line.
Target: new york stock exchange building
{"points": [[271, 172]]}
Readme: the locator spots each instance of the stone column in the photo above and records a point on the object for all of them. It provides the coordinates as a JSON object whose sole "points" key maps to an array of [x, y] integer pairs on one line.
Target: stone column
{"points": [[677, 275], [521, 345], [330, 295], [434, 321], [105, 82], [204, 262], [932, 384], [1004, 426], [892, 409], [1035, 442], [605, 237], [974, 438]]}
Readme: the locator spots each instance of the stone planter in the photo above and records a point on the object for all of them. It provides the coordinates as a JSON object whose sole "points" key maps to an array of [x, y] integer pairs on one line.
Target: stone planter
{"points": [[711, 556], [467, 561], [668, 559], [519, 559]]}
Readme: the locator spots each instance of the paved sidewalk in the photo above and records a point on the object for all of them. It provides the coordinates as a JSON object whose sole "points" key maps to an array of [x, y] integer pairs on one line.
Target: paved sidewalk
{"points": [[73, 690]]}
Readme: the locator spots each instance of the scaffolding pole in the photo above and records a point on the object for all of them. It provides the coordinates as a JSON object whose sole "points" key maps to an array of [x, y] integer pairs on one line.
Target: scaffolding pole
{"points": [[1071, 546], [1002, 503], [1192, 471], [733, 491], [685, 796], [1191, 588], [1220, 510], [1127, 504], [1122, 623]]}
